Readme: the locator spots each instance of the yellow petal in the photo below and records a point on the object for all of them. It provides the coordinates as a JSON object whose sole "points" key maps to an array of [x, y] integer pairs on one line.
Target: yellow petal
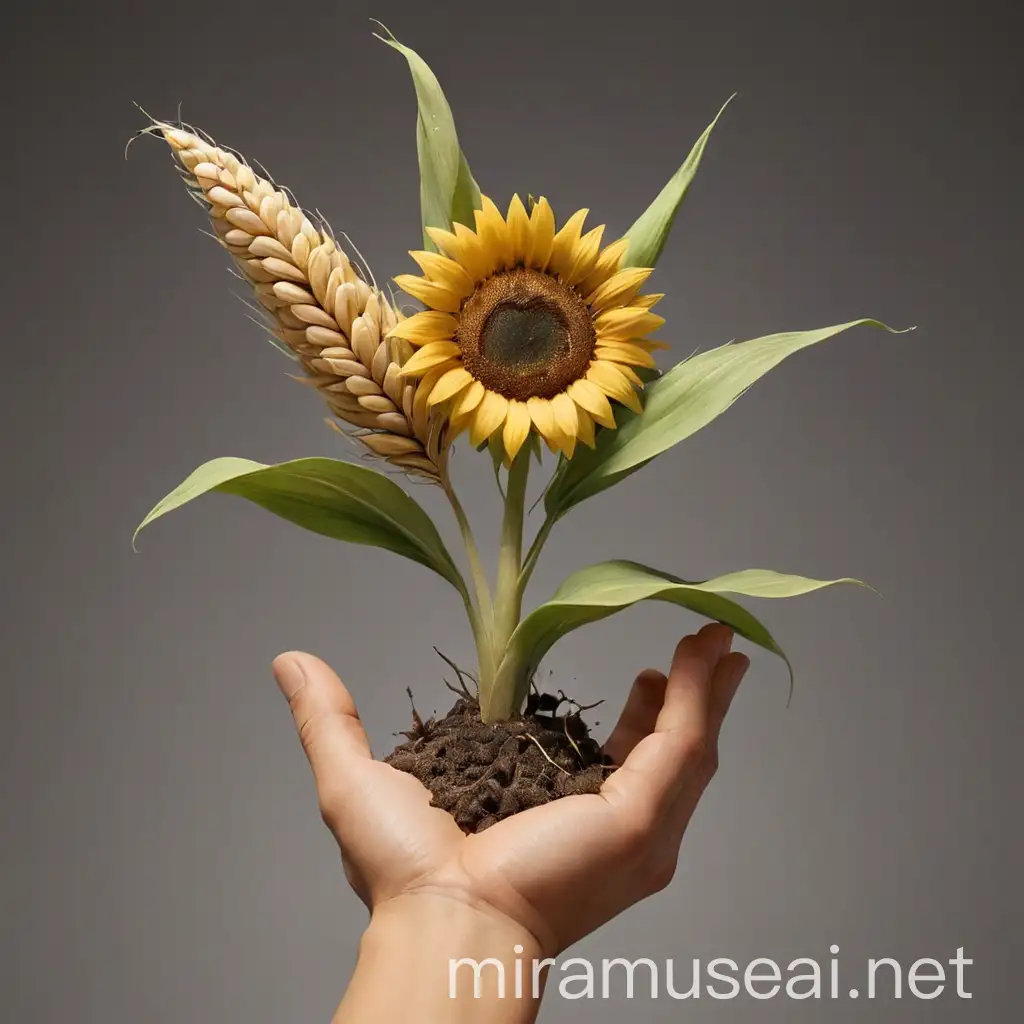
{"points": [[518, 230], [474, 257], [564, 244], [457, 425], [564, 409], [623, 352], [588, 396], [618, 290], [487, 417], [614, 383], [492, 231], [462, 407], [464, 247], [430, 325], [543, 417], [564, 443], [647, 344], [469, 399], [517, 428], [443, 271], [585, 428], [584, 258], [451, 383], [542, 413], [420, 409], [445, 241], [647, 301], [436, 296], [429, 356], [606, 266], [542, 234], [625, 322], [633, 378]]}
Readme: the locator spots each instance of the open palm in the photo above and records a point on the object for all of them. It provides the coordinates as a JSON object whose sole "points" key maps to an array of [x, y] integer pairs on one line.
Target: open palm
{"points": [[560, 870]]}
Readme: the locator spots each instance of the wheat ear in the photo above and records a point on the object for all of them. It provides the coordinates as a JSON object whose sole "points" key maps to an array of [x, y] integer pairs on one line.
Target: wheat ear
{"points": [[318, 304]]}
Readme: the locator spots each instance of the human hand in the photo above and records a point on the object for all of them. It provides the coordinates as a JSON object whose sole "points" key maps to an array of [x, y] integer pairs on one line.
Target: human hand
{"points": [[555, 872]]}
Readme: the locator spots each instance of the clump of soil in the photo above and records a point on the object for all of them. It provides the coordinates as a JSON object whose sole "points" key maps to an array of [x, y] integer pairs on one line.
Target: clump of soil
{"points": [[482, 773]]}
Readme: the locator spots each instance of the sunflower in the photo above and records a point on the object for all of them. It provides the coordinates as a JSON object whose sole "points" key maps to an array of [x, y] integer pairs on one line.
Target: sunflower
{"points": [[528, 328]]}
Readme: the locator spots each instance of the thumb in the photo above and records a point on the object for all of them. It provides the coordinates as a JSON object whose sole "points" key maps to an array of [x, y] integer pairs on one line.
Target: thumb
{"points": [[325, 716]]}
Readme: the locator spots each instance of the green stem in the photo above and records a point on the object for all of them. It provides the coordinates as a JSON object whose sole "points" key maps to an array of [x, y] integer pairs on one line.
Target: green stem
{"points": [[500, 703], [479, 607], [534, 553], [510, 688]]}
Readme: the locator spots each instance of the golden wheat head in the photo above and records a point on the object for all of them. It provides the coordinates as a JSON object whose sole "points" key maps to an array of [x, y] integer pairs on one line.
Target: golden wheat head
{"points": [[318, 303]]}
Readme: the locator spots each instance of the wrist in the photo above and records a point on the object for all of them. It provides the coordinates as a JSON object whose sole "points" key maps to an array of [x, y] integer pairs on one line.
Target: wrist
{"points": [[448, 958]]}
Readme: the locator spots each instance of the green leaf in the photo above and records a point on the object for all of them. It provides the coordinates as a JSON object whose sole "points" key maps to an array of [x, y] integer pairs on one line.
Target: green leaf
{"points": [[467, 195], [448, 191], [336, 499], [649, 233], [771, 584], [533, 441], [608, 587], [676, 405]]}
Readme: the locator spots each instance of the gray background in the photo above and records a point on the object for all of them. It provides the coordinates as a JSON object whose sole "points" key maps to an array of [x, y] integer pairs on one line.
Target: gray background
{"points": [[162, 856]]}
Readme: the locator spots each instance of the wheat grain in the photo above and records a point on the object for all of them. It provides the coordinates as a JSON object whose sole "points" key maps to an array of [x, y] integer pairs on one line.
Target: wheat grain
{"points": [[318, 304]]}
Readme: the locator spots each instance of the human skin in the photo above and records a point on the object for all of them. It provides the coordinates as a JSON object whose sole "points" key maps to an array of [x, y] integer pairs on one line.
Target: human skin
{"points": [[529, 886]]}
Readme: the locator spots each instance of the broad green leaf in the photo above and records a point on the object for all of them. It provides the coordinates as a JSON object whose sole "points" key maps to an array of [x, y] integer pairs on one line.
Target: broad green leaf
{"points": [[684, 399], [336, 499], [768, 583], [601, 590], [649, 233], [448, 191]]}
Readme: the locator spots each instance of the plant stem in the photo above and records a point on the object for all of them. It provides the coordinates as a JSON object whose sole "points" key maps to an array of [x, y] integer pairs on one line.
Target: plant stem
{"points": [[508, 595], [534, 553], [479, 607], [508, 606]]}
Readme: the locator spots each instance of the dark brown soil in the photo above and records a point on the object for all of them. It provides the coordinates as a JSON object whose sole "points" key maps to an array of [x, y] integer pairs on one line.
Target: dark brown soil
{"points": [[483, 773]]}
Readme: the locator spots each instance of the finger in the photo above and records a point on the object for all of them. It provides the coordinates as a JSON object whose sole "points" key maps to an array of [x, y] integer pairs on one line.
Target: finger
{"points": [[717, 638], [688, 691], [725, 682], [639, 715], [657, 768], [325, 714]]}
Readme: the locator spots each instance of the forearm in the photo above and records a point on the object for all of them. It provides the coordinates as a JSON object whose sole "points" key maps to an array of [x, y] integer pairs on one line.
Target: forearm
{"points": [[408, 966]]}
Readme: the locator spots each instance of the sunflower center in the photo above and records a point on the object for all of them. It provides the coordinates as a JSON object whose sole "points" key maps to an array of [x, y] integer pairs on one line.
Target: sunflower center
{"points": [[520, 336], [525, 334]]}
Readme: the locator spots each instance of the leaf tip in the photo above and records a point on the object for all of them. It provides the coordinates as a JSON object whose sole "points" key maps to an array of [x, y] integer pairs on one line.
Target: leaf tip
{"points": [[871, 322], [714, 121], [858, 583], [390, 40], [776, 649]]}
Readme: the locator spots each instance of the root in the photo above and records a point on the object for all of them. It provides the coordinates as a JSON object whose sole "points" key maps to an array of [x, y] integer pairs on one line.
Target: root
{"points": [[533, 739]]}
